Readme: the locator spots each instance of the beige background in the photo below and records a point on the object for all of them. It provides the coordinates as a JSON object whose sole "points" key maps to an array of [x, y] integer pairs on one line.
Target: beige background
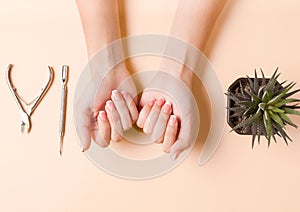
{"points": [[250, 34]]}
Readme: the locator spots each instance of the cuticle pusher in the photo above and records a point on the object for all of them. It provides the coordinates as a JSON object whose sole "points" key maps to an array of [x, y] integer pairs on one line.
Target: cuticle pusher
{"points": [[63, 107]]}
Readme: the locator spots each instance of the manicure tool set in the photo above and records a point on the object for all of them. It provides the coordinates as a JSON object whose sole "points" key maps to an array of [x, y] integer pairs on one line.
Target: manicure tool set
{"points": [[26, 113]]}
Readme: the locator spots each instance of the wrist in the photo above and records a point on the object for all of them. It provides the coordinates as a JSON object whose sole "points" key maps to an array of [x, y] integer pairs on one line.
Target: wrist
{"points": [[178, 70], [110, 58]]}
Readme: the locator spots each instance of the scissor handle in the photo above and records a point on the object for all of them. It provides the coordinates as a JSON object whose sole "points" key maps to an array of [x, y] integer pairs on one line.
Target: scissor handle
{"points": [[12, 88], [43, 92]]}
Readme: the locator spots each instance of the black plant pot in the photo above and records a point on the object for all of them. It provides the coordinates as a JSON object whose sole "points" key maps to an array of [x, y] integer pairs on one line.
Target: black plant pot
{"points": [[234, 88], [233, 121]]}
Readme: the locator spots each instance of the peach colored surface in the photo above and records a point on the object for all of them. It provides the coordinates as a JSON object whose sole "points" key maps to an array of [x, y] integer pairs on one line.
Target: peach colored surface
{"points": [[250, 34]]}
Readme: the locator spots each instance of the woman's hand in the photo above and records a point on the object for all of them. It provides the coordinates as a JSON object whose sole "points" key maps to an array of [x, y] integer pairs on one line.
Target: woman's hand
{"points": [[156, 119], [119, 115], [91, 120], [169, 92]]}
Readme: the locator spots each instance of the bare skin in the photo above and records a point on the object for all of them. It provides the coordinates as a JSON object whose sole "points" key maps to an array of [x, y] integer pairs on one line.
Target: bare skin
{"points": [[100, 21], [193, 22]]}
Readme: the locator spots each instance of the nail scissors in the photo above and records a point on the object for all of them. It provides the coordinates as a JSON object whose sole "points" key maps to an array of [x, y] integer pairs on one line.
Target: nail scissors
{"points": [[25, 115]]}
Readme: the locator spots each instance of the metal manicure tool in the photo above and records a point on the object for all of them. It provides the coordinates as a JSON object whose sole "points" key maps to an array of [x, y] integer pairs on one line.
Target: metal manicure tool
{"points": [[25, 115], [64, 92]]}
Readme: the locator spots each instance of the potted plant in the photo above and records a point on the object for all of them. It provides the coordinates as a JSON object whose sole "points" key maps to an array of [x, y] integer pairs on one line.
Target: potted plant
{"points": [[260, 106]]}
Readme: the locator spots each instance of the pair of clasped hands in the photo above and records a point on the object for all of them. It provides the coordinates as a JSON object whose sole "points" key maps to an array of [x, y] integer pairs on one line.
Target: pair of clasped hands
{"points": [[104, 114], [105, 111]]}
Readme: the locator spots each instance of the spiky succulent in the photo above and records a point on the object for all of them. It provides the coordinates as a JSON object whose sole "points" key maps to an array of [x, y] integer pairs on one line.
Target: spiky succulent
{"points": [[260, 106]]}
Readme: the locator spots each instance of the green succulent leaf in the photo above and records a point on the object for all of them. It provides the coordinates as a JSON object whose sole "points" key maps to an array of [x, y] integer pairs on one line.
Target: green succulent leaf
{"points": [[249, 104], [255, 86], [261, 91], [295, 106], [287, 119], [235, 109], [268, 125], [262, 106], [267, 96], [260, 128], [275, 73], [291, 111], [242, 97], [237, 114], [241, 88], [254, 97], [282, 133], [249, 112], [251, 83], [281, 89], [273, 136], [254, 132], [232, 96], [277, 98], [285, 101], [263, 77], [277, 110], [291, 93], [248, 121], [282, 83], [273, 80], [276, 118]]}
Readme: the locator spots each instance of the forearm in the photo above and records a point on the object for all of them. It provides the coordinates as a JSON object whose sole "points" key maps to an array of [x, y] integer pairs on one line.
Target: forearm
{"points": [[193, 23], [100, 21], [194, 20]]}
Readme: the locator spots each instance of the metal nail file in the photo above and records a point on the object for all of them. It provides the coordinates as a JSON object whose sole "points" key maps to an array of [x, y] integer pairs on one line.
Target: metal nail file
{"points": [[63, 107]]}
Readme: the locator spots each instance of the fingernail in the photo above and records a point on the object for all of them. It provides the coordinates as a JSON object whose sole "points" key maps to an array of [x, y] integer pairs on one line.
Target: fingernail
{"points": [[151, 102], [160, 101], [146, 130], [124, 93], [166, 150], [81, 149], [173, 120], [102, 115], [109, 104], [175, 155], [115, 95], [167, 107]]}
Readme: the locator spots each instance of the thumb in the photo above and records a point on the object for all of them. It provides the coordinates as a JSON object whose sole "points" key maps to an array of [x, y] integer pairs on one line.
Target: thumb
{"points": [[186, 137], [83, 121]]}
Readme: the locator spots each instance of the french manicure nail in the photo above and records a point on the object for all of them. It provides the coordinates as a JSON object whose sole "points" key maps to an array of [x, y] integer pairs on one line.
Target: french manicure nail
{"points": [[173, 120], [81, 149], [151, 102], [102, 115], [175, 155], [109, 104], [115, 95], [160, 101], [167, 107], [167, 150]]}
